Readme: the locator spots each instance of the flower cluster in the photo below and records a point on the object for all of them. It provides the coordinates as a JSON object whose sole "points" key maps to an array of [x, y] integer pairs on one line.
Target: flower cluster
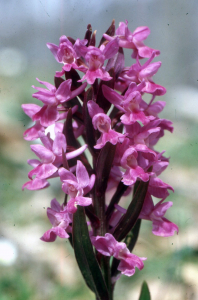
{"points": [[105, 113]]}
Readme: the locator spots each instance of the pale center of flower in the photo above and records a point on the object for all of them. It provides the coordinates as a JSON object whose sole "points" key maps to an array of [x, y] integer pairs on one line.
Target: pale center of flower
{"points": [[68, 57], [94, 62], [133, 105], [72, 190], [102, 124], [131, 161]]}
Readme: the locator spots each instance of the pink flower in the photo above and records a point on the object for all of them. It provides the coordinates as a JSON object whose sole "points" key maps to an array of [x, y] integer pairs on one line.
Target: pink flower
{"points": [[108, 246], [65, 53], [51, 98], [36, 184], [130, 103], [137, 73], [130, 40], [50, 156], [130, 163], [142, 135], [155, 213], [95, 58], [158, 188], [60, 220], [102, 122], [37, 129], [77, 186]]}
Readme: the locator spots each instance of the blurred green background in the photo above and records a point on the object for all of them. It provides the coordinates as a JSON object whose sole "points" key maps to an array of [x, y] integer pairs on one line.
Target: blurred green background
{"points": [[32, 269]]}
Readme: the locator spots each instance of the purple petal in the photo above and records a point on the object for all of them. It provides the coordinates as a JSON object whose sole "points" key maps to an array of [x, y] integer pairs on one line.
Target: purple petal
{"points": [[55, 205], [51, 215], [161, 208], [47, 142], [105, 244], [47, 115], [164, 227], [76, 152], [43, 171], [90, 185], [30, 109], [36, 184], [46, 97], [83, 201], [141, 33], [49, 236], [34, 132], [113, 97], [45, 155], [33, 162], [47, 84], [66, 175], [128, 264], [111, 48], [82, 175], [59, 144], [63, 93], [53, 48], [94, 108]]}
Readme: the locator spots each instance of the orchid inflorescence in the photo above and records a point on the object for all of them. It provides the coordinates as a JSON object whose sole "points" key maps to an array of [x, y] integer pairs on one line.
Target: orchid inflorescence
{"points": [[107, 116]]}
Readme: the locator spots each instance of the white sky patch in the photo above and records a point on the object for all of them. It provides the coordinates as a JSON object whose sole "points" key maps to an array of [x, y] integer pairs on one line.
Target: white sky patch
{"points": [[8, 252]]}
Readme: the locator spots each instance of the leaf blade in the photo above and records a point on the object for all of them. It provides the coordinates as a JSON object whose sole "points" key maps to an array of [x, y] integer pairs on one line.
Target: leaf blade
{"points": [[85, 256], [130, 217], [145, 293]]}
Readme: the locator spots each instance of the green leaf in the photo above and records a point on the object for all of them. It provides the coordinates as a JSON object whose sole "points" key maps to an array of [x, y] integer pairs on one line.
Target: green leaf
{"points": [[85, 256], [103, 168], [73, 143], [132, 237], [121, 188], [89, 130], [145, 294], [131, 216]]}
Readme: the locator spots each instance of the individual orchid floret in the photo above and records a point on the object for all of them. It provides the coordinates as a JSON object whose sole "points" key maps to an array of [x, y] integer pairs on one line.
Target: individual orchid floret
{"points": [[155, 213], [53, 97], [50, 156], [129, 103], [130, 163], [130, 40], [65, 53], [36, 184], [77, 186], [60, 220], [108, 246], [163, 124], [102, 122], [37, 129], [95, 58], [138, 73], [158, 188], [141, 135]]}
